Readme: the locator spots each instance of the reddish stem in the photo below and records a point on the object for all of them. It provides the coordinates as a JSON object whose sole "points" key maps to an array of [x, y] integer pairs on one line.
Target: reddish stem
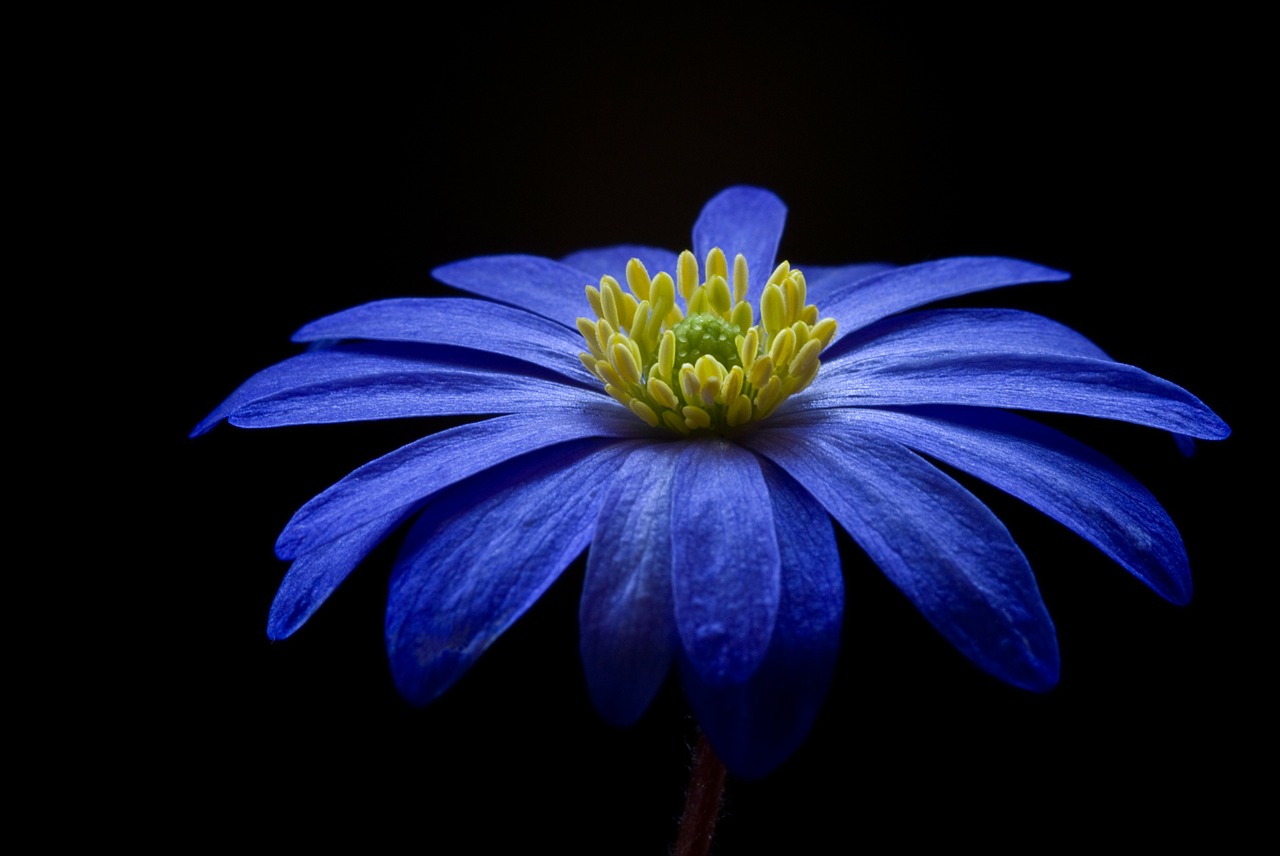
{"points": [[702, 802]]}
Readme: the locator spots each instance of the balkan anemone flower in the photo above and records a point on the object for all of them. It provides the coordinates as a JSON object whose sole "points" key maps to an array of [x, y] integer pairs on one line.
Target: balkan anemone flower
{"points": [[698, 447]]}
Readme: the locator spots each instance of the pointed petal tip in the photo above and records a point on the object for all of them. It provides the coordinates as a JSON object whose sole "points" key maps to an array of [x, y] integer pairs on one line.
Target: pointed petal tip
{"points": [[420, 684], [1211, 427], [1055, 275], [1177, 589], [278, 628], [286, 546], [1023, 271], [1038, 672], [446, 267], [1045, 684], [207, 424], [288, 614]]}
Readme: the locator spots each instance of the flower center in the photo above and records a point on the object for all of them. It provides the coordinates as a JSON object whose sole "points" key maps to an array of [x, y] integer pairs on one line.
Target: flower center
{"points": [[709, 367], [704, 334]]}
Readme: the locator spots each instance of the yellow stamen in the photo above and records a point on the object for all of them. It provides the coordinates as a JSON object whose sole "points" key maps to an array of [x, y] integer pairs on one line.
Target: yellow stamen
{"points": [[732, 370], [638, 279], [645, 412], [696, 417]]}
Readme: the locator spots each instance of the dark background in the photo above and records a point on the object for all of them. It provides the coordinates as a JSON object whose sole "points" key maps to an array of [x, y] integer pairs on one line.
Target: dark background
{"points": [[308, 165]]}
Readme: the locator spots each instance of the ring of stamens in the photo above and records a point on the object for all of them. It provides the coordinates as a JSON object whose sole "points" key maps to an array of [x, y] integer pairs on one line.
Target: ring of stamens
{"points": [[710, 366]]}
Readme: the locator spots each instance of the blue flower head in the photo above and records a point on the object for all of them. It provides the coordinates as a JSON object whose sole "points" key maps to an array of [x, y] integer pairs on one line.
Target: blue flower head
{"points": [[698, 446]]}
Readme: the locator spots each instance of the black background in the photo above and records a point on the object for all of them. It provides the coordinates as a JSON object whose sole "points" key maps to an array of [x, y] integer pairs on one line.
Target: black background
{"points": [[307, 165]]}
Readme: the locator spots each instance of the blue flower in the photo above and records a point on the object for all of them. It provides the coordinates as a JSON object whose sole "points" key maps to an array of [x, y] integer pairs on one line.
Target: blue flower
{"points": [[699, 453]]}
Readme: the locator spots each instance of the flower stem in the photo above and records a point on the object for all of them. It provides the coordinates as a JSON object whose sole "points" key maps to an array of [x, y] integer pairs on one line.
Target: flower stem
{"points": [[702, 802]]}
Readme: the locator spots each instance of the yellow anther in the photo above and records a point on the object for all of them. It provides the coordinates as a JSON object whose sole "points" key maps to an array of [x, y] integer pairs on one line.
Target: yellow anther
{"points": [[742, 316], [645, 412], [805, 361], [673, 421], [794, 301], [627, 363], [718, 296], [667, 355], [710, 390], [638, 279], [689, 384], [732, 387], [698, 301], [739, 412], [784, 345], [696, 417], [627, 306], [609, 301], [802, 334], [621, 395], [761, 372], [773, 309], [708, 367], [588, 330], [716, 265], [593, 298], [768, 397], [779, 274], [739, 277], [589, 362], [662, 393], [603, 334], [686, 275], [608, 374], [801, 379], [662, 294], [823, 331], [749, 349], [639, 326], [810, 315]]}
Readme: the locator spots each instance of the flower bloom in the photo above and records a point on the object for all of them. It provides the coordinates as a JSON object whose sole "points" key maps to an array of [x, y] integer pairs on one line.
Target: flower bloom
{"points": [[699, 451]]}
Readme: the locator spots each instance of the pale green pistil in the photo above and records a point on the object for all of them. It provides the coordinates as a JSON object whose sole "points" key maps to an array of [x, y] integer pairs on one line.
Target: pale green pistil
{"points": [[707, 335]]}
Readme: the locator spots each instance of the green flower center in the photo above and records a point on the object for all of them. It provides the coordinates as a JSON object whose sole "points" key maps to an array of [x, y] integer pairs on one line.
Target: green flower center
{"points": [[709, 367], [705, 334]]}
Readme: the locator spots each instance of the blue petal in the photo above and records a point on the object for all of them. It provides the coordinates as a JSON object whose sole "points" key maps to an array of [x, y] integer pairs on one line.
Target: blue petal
{"points": [[315, 575], [1063, 478], [462, 322], [860, 301], [935, 541], [347, 384], [416, 471], [482, 552], [744, 220], [546, 287], [756, 725], [725, 560], [626, 616], [1000, 358], [995, 330], [821, 281], [613, 261]]}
